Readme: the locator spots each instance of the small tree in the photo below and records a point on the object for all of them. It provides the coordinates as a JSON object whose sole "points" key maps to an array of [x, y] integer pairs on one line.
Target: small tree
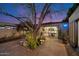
{"points": [[33, 35]]}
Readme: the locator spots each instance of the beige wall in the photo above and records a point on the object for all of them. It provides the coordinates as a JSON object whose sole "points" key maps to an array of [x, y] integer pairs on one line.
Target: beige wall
{"points": [[71, 32], [75, 15]]}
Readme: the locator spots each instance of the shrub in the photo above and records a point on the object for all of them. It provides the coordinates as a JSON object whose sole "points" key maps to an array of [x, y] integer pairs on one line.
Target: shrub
{"points": [[31, 41]]}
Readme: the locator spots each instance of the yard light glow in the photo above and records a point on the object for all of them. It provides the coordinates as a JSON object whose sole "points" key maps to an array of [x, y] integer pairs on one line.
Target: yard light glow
{"points": [[65, 25]]}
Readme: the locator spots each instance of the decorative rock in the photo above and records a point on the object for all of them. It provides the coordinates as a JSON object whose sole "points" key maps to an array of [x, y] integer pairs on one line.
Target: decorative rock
{"points": [[25, 44]]}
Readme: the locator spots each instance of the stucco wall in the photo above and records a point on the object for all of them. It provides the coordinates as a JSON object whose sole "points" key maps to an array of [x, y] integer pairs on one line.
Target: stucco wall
{"points": [[72, 21], [75, 15]]}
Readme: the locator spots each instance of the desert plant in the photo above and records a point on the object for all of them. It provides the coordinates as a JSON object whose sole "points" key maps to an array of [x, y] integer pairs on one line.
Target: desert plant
{"points": [[32, 36], [31, 41]]}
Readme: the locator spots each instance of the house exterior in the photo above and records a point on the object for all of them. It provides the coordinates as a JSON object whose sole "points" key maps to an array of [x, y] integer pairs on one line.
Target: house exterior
{"points": [[4, 25], [74, 28], [50, 29], [58, 30], [7, 27]]}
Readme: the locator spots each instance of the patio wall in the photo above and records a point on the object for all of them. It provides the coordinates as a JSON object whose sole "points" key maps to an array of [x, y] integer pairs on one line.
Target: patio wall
{"points": [[8, 34]]}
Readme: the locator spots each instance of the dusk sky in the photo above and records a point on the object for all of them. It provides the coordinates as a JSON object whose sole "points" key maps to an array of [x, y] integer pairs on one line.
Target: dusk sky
{"points": [[59, 12]]}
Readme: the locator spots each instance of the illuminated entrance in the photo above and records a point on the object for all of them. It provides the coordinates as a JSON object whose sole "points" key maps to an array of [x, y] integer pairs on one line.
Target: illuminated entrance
{"points": [[50, 31]]}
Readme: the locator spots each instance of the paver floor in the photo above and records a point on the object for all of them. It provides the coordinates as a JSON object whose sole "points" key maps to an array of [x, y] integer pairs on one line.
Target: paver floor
{"points": [[51, 47]]}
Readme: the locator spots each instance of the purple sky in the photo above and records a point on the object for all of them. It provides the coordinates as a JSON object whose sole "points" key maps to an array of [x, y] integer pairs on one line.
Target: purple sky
{"points": [[21, 11]]}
